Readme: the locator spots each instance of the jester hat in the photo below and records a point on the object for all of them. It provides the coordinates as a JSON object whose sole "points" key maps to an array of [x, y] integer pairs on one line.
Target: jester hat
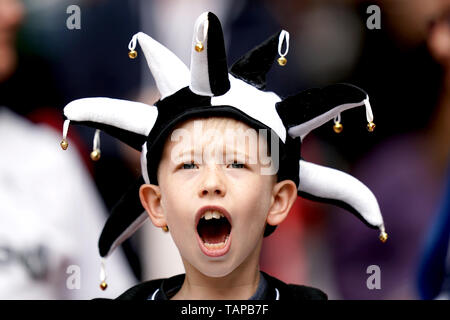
{"points": [[210, 89]]}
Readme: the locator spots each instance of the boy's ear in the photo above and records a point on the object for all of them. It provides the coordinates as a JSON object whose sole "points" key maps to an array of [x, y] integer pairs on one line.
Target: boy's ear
{"points": [[150, 196], [284, 196]]}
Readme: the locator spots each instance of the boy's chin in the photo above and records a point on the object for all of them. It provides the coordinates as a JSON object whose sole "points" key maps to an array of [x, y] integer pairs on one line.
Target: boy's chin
{"points": [[216, 272], [215, 269]]}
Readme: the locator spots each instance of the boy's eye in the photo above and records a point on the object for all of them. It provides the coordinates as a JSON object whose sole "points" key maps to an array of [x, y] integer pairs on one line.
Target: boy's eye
{"points": [[189, 165], [236, 165]]}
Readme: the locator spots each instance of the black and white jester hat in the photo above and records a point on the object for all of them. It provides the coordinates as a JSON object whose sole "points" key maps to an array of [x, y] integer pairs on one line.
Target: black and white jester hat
{"points": [[209, 88]]}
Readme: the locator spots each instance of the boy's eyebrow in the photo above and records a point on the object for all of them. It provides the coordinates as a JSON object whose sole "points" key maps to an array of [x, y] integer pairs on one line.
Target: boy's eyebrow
{"points": [[186, 154], [237, 152], [193, 153]]}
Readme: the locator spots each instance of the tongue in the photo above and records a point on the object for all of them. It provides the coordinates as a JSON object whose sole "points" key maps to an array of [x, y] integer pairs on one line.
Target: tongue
{"points": [[214, 231]]}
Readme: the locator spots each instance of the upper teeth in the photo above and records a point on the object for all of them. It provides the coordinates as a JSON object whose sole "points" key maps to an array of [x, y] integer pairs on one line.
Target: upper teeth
{"points": [[208, 215]]}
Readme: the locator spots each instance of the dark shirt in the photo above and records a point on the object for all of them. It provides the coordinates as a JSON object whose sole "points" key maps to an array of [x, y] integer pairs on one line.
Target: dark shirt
{"points": [[269, 288], [167, 290]]}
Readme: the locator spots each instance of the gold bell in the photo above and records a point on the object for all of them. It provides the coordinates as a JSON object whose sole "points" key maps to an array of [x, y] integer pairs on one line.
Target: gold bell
{"points": [[383, 237], [338, 127], [64, 144], [132, 54], [103, 285], [199, 47], [95, 155], [165, 229], [371, 126], [282, 61]]}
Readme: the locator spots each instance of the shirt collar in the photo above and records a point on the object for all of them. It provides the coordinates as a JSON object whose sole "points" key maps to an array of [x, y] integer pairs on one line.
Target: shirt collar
{"points": [[170, 286]]}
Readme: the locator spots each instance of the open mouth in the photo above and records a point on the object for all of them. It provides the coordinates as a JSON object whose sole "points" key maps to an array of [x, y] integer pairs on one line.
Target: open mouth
{"points": [[214, 230]]}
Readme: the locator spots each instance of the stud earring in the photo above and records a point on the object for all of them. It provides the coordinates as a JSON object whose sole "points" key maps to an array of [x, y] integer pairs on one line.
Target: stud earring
{"points": [[165, 229], [199, 47]]}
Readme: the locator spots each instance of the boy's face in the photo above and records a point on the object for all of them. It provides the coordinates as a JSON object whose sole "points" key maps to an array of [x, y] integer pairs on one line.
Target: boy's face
{"points": [[212, 194]]}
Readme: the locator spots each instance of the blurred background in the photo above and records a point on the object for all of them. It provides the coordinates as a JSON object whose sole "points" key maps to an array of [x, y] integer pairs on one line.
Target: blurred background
{"points": [[404, 66]]}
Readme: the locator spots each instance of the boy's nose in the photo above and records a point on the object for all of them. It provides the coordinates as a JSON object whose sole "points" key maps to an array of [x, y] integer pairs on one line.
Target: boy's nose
{"points": [[212, 184]]}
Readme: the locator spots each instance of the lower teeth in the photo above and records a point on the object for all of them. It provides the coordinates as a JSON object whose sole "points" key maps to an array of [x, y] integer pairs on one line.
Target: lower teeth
{"points": [[219, 245]]}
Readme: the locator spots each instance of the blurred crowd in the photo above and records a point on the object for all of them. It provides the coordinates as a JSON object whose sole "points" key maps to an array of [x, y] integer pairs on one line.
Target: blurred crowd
{"points": [[53, 204]]}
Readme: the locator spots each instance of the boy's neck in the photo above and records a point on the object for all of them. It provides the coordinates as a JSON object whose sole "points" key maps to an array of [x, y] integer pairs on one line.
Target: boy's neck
{"points": [[240, 284]]}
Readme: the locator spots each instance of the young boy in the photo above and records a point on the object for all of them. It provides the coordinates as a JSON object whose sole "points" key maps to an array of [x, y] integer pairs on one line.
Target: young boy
{"points": [[221, 164], [215, 198]]}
